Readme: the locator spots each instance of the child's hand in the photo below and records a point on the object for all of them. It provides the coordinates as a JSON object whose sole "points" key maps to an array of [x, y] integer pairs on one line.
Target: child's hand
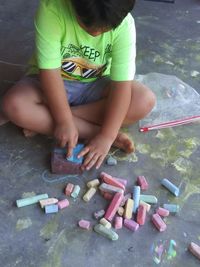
{"points": [[96, 151], [66, 134]]}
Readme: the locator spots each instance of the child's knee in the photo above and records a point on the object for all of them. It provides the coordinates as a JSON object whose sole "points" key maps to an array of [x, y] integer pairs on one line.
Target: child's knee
{"points": [[11, 104]]}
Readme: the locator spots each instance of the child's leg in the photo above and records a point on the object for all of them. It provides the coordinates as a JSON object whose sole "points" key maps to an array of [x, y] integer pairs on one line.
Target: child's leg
{"points": [[142, 102]]}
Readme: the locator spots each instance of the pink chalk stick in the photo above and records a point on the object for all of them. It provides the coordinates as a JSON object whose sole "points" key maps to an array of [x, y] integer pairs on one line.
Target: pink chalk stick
{"points": [[142, 182], [108, 179], [84, 224], [194, 249], [68, 189], [131, 225], [141, 215], [63, 204], [107, 195], [122, 181], [158, 222], [126, 197], [118, 222], [162, 212], [113, 207]]}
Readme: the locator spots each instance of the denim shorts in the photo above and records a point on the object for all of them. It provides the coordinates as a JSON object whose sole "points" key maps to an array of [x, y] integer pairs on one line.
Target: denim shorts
{"points": [[78, 93]]}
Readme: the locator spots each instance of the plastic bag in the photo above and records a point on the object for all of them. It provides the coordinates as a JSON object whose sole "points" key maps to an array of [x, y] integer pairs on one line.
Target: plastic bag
{"points": [[177, 103]]}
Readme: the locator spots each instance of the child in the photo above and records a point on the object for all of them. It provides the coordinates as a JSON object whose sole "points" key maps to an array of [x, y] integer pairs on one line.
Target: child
{"points": [[80, 82]]}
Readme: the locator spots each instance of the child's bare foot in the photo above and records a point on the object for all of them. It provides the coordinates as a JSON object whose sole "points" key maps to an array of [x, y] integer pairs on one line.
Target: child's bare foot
{"points": [[124, 142], [3, 119], [28, 133]]}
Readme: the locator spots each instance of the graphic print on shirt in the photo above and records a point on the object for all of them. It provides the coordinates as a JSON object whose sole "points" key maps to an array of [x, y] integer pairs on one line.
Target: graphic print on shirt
{"points": [[78, 63]]}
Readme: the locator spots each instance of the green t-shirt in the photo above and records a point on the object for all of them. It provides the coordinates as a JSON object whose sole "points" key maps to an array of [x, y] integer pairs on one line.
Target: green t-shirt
{"points": [[62, 43]]}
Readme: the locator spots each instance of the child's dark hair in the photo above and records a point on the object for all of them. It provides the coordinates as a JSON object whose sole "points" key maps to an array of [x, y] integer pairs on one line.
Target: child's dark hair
{"points": [[100, 14]]}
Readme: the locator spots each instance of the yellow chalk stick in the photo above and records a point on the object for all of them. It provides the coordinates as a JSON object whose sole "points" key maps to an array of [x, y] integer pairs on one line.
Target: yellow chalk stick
{"points": [[128, 208], [89, 194], [93, 183], [48, 201]]}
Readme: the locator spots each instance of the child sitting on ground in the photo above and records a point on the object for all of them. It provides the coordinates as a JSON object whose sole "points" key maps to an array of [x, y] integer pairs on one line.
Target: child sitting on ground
{"points": [[80, 81]]}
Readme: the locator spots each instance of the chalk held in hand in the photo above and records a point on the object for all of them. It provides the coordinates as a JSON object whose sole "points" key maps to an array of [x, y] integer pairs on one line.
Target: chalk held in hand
{"points": [[30, 200], [170, 186], [194, 249], [108, 233], [158, 222]]}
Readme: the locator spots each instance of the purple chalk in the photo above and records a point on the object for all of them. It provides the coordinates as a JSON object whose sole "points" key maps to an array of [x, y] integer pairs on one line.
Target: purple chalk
{"points": [[131, 225], [121, 180]]}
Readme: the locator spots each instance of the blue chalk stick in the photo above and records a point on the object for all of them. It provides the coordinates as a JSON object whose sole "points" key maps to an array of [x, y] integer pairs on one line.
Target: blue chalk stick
{"points": [[51, 208], [171, 187], [136, 198], [173, 208], [75, 191], [76, 151]]}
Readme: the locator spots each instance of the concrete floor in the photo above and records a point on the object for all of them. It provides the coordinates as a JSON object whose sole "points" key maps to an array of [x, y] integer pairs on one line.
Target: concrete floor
{"points": [[167, 42]]}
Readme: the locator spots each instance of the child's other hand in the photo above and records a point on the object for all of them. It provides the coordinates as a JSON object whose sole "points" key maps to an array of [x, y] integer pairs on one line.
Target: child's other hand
{"points": [[96, 151], [66, 134]]}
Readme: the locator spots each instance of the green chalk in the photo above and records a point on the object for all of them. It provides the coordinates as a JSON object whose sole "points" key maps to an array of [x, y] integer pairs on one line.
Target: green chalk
{"points": [[76, 191], [149, 199], [30, 200], [109, 233]]}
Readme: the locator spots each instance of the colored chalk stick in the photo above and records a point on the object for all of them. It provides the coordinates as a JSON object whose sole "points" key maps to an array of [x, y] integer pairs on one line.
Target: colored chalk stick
{"points": [[125, 198], [84, 224], [141, 215], [99, 214], [74, 157], [69, 189], [131, 225], [75, 191], [48, 201], [147, 206], [194, 249], [51, 208], [128, 208], [105, 223], [89, 194], [93, 183], [158, 222], [170, 186], [108, 233], [118, 222], [111, 181], [113, 207], [63, 204], [136, 198], [142, 182], [110, 188], [120, 211], [122, 181], [30, 200], [149, 199], [172, 208], [162, 212], [111, 161]]}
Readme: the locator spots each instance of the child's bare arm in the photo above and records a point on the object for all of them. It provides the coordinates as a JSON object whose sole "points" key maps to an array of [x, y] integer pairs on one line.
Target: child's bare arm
{"points": [[65, 130], [116, 109]]}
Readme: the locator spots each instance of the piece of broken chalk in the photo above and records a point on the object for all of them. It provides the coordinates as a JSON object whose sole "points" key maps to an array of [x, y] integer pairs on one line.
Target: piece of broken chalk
{"points": [[51, 208], [68, 189], [99, 214], [75, 191], [194, 249], [142, 182], [48, 201], [131, 225], [158, 222], [64, 203], [109, 233], [111, 161], [84, 224], [118, 222]]}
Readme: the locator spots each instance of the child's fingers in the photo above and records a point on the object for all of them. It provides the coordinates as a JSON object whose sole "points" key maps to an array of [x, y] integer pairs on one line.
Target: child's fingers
{"points": [[70, 147], [84, 151], [99, 161], [92, 162], [88, 158]]}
